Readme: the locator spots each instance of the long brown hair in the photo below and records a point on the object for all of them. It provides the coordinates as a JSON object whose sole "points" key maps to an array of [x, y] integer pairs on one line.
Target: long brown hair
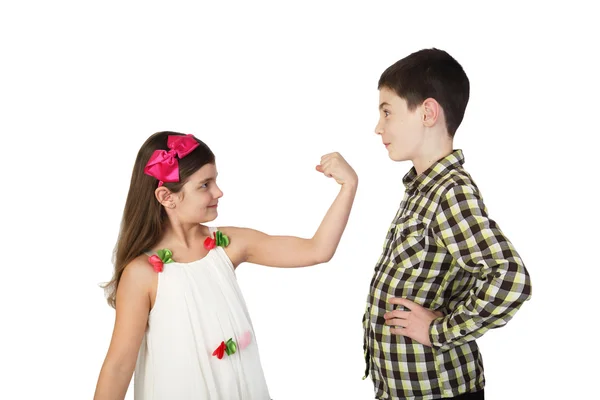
{"points": [[144, 217]]}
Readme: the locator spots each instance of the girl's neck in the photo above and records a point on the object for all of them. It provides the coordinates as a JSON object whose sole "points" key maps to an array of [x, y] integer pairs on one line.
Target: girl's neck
{"points": [[183, 235]]}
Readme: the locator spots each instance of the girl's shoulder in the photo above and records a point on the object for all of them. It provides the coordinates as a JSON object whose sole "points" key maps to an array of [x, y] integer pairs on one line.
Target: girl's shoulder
{"points": [[140, 269], [236, 236], [137, 282], [235, 243]]}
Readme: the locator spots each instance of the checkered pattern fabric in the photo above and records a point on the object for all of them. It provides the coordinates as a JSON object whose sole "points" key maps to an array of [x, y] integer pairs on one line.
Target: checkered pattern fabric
{"points": [[442, 251]]}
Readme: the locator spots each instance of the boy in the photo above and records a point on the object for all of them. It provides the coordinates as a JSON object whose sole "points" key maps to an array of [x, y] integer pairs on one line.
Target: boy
{"points": [[447, 273]]}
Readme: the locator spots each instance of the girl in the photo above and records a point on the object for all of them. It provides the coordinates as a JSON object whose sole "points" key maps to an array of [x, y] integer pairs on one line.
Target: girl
{"points": [[181, 320]]}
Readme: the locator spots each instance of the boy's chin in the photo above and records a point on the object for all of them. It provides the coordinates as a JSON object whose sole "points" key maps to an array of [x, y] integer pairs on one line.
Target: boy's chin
{"points": [[398, 157]]}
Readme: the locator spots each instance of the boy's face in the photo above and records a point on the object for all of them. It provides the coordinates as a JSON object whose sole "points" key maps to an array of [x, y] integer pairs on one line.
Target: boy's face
{"points": [[401, 130]]}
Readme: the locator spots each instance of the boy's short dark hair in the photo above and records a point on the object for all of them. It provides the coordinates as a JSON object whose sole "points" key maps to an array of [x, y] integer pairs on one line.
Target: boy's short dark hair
{"points": [[430, 73]]}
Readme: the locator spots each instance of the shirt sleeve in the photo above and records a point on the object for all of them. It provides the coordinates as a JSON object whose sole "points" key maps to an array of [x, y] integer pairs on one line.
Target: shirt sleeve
{"points": [[478, 245]]}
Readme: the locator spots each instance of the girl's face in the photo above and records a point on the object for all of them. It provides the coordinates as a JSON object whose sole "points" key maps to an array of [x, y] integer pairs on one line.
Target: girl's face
{"points": [[198, 199]]}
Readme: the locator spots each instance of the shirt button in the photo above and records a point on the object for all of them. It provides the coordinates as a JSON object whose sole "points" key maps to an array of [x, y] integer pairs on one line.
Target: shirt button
{"points": [[463, 332]]}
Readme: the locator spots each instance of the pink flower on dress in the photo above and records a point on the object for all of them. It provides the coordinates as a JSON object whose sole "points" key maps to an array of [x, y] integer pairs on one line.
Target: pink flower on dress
{"points": [[158, 260], [157, 263], [210, 243], [244, 341], [218, 239]]}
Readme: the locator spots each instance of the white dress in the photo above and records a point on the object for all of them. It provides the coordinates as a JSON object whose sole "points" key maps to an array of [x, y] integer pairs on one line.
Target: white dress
{"points": [[198, 306]]}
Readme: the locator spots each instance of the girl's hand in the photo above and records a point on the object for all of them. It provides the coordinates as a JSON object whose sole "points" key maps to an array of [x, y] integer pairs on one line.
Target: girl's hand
{"points": [[334, 166]]}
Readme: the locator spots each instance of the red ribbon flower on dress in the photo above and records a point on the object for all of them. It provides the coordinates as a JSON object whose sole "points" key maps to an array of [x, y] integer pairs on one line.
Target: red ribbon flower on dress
{"points": [[218, 239], [220, 351], [230, 346], [163, 165], [161, 257]]}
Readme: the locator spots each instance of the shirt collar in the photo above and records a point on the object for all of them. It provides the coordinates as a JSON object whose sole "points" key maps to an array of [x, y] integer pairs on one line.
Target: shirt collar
{"points": [[432, 174]]}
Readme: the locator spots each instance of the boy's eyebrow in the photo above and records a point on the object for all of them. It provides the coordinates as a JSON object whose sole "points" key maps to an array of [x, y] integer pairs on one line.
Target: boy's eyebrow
{"points": [[383, 105]]}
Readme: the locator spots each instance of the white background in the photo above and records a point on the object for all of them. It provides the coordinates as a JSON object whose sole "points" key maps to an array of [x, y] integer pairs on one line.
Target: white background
{"points": [[271, 87]]}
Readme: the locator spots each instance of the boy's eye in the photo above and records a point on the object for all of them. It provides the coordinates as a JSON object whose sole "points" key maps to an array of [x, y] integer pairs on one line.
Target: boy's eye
{"points": [[204, 186], [386, 112]]}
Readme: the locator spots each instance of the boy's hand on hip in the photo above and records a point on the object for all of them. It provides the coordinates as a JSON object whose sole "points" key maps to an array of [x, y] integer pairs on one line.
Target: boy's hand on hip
{"points": [[334, 166], [414, 323]]}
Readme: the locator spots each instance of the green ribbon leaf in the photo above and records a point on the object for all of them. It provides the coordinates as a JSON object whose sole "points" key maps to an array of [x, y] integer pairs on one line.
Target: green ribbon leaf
{"points": [[165, 255], [230, 347], [221, 239]]}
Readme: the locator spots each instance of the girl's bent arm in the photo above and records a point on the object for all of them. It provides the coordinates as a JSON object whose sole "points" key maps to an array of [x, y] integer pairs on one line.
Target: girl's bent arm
{"points": [[289, 251], [132, 309]]}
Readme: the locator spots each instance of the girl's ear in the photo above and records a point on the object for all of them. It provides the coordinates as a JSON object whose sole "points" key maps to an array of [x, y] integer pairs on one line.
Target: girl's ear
{"points": [[165, 197]]}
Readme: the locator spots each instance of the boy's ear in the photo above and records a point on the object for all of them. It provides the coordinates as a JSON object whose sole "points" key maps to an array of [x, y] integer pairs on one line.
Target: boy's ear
{"points": [[431, 111], [164, 197]]}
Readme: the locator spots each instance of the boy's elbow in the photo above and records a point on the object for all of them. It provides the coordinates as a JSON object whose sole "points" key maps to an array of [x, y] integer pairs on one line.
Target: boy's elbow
{"points": [[526, 292], [526, 288], [521, 281]]}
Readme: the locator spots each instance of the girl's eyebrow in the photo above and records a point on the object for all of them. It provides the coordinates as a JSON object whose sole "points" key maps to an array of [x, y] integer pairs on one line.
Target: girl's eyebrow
{"points": [[212, 178]]}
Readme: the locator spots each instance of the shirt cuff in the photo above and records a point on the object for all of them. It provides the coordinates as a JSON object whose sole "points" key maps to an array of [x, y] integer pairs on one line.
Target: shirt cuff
{"points": [[442, 336]]}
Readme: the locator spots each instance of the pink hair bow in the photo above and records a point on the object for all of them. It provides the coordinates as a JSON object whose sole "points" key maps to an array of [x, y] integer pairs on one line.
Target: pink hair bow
{"points": [[163, 165]]}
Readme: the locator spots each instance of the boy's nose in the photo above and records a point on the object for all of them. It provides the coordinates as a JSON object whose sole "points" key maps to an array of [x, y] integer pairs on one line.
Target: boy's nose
{"points": [[378, 130]]}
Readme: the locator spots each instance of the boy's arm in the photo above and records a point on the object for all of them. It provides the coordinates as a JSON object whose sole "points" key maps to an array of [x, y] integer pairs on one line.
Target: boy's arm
{"points": [[478, 246]]}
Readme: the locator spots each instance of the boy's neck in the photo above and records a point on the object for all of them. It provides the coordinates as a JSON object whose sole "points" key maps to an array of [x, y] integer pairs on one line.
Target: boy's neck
{"points": [[432, 154]]}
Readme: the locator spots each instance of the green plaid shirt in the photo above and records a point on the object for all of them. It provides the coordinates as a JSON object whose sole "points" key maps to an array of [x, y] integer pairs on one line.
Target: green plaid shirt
{"points": [[442, 251]]}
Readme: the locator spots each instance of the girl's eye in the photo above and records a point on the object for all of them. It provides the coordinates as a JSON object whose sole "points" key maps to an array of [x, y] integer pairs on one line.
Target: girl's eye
{"points": [[386, 112]]}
